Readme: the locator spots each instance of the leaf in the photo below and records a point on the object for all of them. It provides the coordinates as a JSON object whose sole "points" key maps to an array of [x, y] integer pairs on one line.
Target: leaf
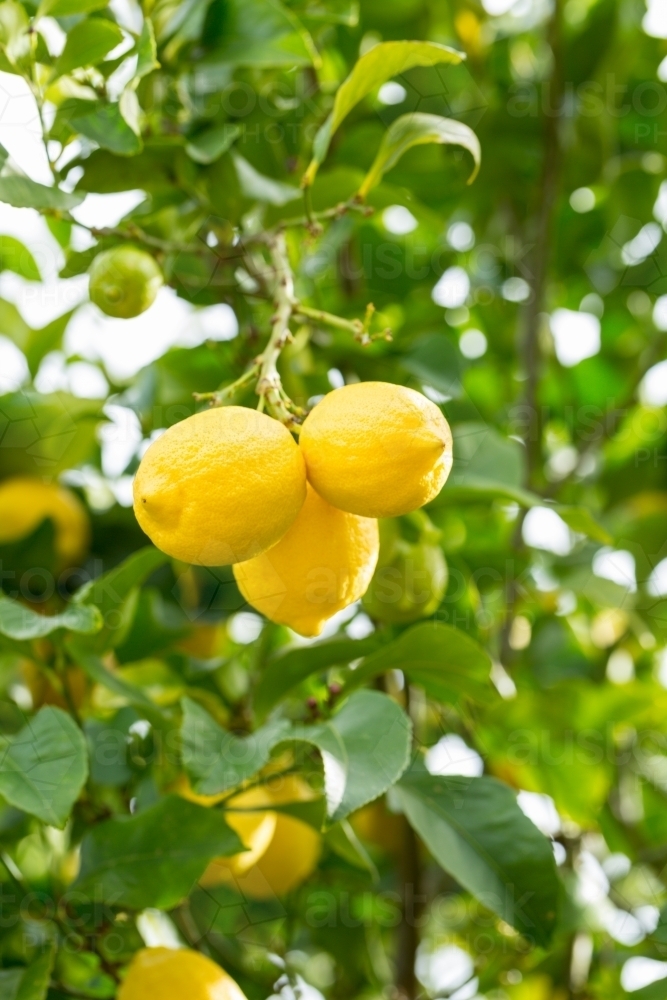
{"points": [[476, 831], [434, 359], [30, 983], [263, 34], [114, 593], [384, 61], [217, 760], [417, 129], [102, 122], [87, 44], [21, 192], [65, 8], [365, 749], [92, 665], [20, 623], [14, 256], [581, 519], [257, 186], [35, 344], [654, 991], [44, 434], [147, 59], [208, 146], [154, 858], [44, 767], [286, 671], [443, 660]]}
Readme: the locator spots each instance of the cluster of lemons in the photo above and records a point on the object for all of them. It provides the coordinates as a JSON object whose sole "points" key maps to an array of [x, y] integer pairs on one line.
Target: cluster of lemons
{"points": [[297, 521]]}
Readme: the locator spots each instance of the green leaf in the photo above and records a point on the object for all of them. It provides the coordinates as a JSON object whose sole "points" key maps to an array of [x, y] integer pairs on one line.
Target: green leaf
{"points": [[21, 192], [44, 767], [208, 146], [65, 8], [155, 857], [417, 129], [286, 671], [30, 983], [44, 434], [384, 61], [365, 749], [102, 122], [217, 760], [147, 59], [581, 519], [654, 991], [257, 186], [263, 34], [20, 623], [34, 343], [446, 662], [87, 44], [14, 256], [474, 828], [92, 665], [434, 359]]}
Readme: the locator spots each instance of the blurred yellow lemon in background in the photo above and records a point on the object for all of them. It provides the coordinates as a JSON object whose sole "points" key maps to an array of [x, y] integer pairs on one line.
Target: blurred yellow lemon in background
{"points": [[25, 502]]}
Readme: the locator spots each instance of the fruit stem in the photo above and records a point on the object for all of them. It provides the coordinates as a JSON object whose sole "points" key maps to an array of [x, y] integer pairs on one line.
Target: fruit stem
{"points": [[357, 327], [221, 396]]}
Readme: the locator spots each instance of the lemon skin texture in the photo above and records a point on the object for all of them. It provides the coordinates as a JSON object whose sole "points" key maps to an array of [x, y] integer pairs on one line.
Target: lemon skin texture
{"points": [[291, 854], [220, 486], [377, 449], [166, 974], [25, 502], [124, 281], [323, 563]]}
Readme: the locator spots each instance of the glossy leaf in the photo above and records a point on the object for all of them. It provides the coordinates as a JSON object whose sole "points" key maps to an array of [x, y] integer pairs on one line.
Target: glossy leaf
{"points": [[477, 832], [217, 760], [365, 748], [44, 767], [88, 43], [418, 129], [257, 186], [65, 8], [20, 623], [264, 33], [446, 662], [384, 61], [21, 192], [153, 859]]}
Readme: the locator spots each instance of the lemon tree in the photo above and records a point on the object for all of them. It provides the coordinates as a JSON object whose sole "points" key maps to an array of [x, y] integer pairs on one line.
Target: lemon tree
{"points": [[333, 451]]}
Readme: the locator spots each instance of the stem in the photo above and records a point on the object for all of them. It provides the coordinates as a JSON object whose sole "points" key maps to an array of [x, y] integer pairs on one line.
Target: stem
{"points": [[408, 932], [269, 385], [357, 327], [220, 396]]}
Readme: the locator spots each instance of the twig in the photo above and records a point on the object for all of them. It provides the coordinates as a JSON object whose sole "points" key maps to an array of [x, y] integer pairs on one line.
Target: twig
{"points": [[221, 396], [357, 327]]}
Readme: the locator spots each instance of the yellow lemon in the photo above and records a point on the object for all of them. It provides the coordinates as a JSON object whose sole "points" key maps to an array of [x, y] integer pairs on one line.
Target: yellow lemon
{"points": [[166, 974], [220, 486], [323, 563], [26, 501], [124, 281], [291, 854], [376, 449], [375, 824]]}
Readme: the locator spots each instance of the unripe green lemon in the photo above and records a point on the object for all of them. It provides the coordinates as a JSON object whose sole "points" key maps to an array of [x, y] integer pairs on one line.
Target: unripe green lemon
{"points": [[411, 577], [124, 281]]}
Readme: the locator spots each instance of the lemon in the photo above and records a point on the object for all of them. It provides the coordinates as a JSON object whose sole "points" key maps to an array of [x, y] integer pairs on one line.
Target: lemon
{"points": [[376, 825], [167, 974], [411, 577], [376, 449], [25, 502], [220, 486], [323, 563], [124, 281], [291, 854], [43, 692]]}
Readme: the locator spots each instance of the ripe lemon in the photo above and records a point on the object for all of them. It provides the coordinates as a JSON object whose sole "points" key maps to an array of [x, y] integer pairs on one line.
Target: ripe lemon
{"points": [[291, 854], [376, 449], [220, 486], [411, 577], [166, 974], [124, 281], [25, 502], [323, 563], [376, 825]]}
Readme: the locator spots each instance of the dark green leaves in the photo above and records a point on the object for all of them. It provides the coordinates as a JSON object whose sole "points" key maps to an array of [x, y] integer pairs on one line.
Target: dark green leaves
{"points": [[21, 192], [264, 33], [104, 123], [87, 43], [20, 623], [155, 857], [384, 61], [217, 760], [30, 983], [418, 129], [45, 434], [365, 748], [44, 767], [446, 662], [476, 831]]}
